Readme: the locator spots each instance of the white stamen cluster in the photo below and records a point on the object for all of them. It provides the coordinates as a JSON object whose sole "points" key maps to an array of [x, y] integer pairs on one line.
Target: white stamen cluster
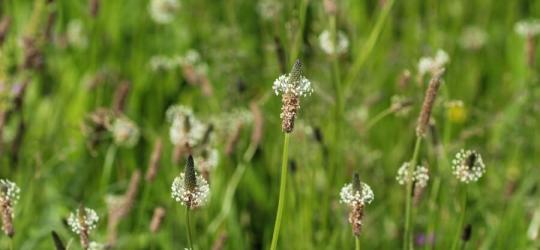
{"points": [[163, 11], [208, 160], [192, 198], [433, 64], [125, 132], [331, 46], [90, 220], [298, 88], [420, 175], [11, 192], [354, 198], [185, 127], [526, 28], [468, 166]]}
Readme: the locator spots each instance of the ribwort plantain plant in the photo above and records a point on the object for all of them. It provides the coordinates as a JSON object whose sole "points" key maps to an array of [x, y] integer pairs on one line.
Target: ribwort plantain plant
{"points": [[83, 221], [291, 86], [356, 195], [192, 191], [468, 167], [421, 127]]}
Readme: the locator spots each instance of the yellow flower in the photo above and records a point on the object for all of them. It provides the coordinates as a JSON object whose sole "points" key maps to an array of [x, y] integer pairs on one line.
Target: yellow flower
{"points": [[456, 111]]}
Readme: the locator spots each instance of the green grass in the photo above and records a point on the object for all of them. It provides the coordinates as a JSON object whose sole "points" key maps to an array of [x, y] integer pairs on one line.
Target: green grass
{"points": [[56, 171]]}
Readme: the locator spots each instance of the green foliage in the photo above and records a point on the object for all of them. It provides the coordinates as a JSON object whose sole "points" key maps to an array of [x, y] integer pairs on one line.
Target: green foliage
{"points": [[57, 164]]}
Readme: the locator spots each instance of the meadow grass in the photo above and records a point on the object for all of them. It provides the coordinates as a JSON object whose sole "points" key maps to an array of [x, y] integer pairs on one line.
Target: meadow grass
{"points": [[51, 147]]}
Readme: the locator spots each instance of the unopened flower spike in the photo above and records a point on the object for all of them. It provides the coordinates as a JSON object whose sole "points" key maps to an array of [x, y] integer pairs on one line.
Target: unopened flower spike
{"points": [[468, 166], [190, 189], [291, 86]]}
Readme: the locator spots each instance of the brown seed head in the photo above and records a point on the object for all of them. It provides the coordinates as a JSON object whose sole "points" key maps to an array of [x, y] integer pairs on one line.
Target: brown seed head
{"points": [[355, 218], [429, 101]]}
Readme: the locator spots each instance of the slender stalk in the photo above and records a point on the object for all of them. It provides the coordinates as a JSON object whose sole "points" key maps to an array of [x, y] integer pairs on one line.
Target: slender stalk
{"points": [[432, 210], [282, 186], [297, 44], [144, 201], [457, 240], [107, 167], [357, 243], [378, 118], [407, 237], [188, 228], [366, 49]]}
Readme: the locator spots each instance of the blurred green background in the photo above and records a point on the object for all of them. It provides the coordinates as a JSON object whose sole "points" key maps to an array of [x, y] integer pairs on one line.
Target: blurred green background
{"points": [[71, 57]]}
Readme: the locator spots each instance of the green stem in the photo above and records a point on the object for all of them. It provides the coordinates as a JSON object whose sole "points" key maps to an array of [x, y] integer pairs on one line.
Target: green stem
{"points": [[357, 243], [457, 240], [407, 237], [188, 227], [368, 46], [378, 118], [339, 102], [107, 167], [145, 196], [432, 210], [282, 186], [297, 44]]}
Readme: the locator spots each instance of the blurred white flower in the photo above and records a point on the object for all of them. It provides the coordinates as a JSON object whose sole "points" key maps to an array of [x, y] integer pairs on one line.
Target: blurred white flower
{"points": [[207, 160], [526, 28], [125, 132], [433, 64], [75, 34], [473, 38], [193, 59], [468, 166], [268, 9], [161, 62], [96, 246], [185, 127], [163, 11], [83, 220], [331, 47]]}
